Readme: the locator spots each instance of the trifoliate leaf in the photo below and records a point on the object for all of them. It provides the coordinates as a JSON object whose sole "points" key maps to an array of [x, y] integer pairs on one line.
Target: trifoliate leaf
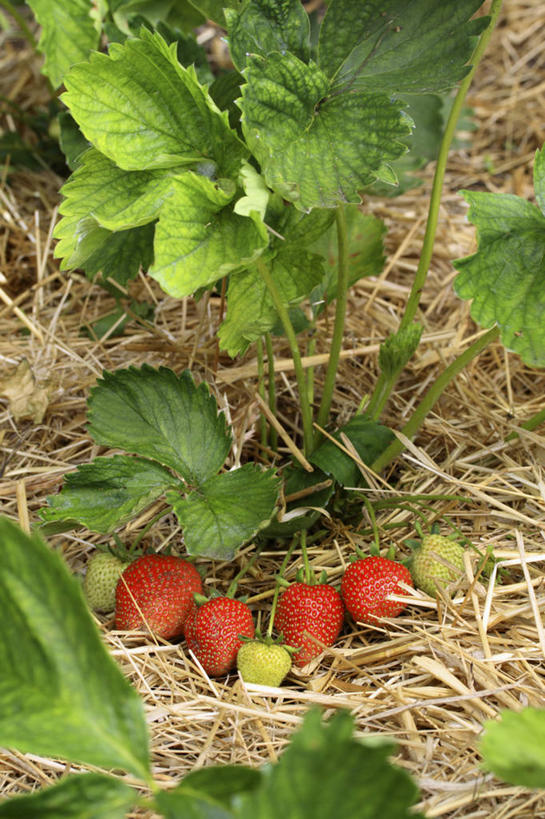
{"points": [[108, 492], [163, 416], [506, 276], [403, 46], [61, 693], [369, 440], [143, 110], [226, 511], [314, 149], [199, 239], [264, 26], [514, 747], [78, 796], [68, 34]]}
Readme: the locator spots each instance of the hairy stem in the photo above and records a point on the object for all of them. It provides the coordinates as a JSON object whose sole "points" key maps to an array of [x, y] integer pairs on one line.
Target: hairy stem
{"points": [[271, 387], [282, 310], [419, 415]]}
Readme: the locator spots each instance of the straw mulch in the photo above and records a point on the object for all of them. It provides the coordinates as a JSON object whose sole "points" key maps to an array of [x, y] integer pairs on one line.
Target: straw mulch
{"points": [[428, 679]]}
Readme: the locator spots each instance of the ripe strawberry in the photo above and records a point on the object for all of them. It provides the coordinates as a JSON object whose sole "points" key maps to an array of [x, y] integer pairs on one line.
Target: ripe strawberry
{"points": [[263, 663], [213, 632], [437, 561], [306, 611], [156, 592], [366, 585], [103, 571]]}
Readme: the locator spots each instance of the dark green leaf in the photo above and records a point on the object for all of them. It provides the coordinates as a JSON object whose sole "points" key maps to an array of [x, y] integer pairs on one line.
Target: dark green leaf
{"points": [[305, 510], [79, 796], [369, 440], [514, 747], [400, 46], [264, 26], [163, 416], [324, 772], [188, 51], [182, 804], [506, 276], [61, 694], [539, 179], [73, 143], [108, 492], [224, 91], [213, 9], [222, 783], [121, 255], [226, 511]]}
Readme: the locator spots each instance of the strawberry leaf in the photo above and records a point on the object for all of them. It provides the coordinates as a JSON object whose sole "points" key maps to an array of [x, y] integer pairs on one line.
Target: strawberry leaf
{"points": [[157, 414], [61, 694], [369, 440], [264, 26], [208, 793], [176, 803], [108, 492], [139, 107], [68, 34], [514, 748], [92, 795], [226, 511], [506, 276]]}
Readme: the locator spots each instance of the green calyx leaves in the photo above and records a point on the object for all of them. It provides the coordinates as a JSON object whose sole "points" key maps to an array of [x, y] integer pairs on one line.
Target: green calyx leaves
{"points": [[180, 441]]}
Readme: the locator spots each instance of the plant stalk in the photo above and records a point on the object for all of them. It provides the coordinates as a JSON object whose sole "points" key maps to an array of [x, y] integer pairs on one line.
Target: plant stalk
{"points": [[261, 390], [338, 327], [431, 397], [271, 387], [281, 571], [281, 309], [530, 424], [21, 22]]}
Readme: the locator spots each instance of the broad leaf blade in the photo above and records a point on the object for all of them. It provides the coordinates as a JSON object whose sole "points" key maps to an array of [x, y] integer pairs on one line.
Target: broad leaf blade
{"points": [[305, 509], [157, 414], [514, 747], [402, 46], [108, 492], [264, 26], [369, 440], [61, 694], [539, 179], [506, 276], [316, 149], [142, 109], [199, 239], [68, 34], [177, 803], [226, 511], [79, 796], [121, 255]]}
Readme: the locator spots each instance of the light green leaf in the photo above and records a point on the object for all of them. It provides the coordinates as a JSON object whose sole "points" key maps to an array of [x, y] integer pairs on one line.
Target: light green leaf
{"points": [[514, 748], [257, 193], [506, 276], [68, 34], [324, 772], [176, 803], [61, 694], [208, 793], [199, 239], [108, 492], [163, 416], [226, 511], [369, 440], [264, 26], [79, 796], [539, 179], [250, 309], [143, 110], [213, 9], [316, 149], [400, 46]]}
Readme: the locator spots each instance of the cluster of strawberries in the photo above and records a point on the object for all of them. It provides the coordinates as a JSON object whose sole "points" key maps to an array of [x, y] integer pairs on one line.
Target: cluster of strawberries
{"points": [[163, 594]]}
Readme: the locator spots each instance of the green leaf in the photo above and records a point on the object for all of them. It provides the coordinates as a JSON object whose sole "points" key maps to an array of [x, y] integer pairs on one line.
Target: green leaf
{"points": [[68, 34], [316, 149], [257, 193], [506, 276], [305, 510], [162, 416], [121, 255], [539, 179], [369, 440], [264, 26], [143, 110], [324, 772], [250, 309], [208, 793], [226, 511], [176, 803], [108, 492], [79, 796], [199, 239], [514, 748], [61, 694], [224, 91], [73, 143], [188, 51], [130, 13], [213, 9], [400, 46]]}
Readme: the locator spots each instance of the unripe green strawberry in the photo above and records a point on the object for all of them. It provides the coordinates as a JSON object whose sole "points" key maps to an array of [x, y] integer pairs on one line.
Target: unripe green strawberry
{"points": [[103, 572], [437, 561], [263, 663]]}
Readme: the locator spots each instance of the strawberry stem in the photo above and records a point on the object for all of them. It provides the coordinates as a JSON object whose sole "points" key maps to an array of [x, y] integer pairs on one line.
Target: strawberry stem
{"points": [[375, 546], [232, 590], [304, 553], [279, 585], [145, 530]]}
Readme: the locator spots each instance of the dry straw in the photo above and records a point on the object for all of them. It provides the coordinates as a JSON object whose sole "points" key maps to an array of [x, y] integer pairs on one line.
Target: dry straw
{"points": [[427, 679]]}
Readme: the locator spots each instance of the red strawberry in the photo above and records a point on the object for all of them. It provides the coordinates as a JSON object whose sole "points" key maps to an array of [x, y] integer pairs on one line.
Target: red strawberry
{"points": [[213, 632], [156, 592], [366, 585], [306, 611]]}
